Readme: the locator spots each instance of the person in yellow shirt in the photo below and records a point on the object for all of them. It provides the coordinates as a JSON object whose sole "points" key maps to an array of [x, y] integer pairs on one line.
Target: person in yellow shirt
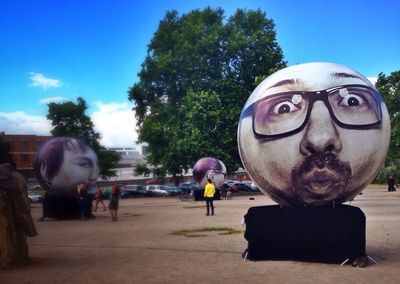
{"points": [[209, 192]]}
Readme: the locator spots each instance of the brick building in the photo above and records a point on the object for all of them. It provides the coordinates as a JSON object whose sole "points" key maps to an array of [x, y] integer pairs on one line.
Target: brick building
{"points": [[23, 150]]}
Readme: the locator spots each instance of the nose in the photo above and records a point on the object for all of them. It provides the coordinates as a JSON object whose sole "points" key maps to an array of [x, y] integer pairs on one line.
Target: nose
{"points": [[321, 134], [94, 173]]}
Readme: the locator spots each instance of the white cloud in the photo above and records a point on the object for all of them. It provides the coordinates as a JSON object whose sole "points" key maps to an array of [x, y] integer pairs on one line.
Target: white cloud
{"points": [[21, 123], [373, 79], [116, 122], [39, 80], [52, 100]]}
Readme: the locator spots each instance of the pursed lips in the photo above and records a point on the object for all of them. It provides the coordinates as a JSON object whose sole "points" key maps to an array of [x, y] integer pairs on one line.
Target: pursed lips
{"points": [[320, 181]]}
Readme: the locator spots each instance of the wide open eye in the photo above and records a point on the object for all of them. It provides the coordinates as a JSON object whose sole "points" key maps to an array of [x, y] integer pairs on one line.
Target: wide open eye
{"points": [[355, 105], [352, 100], [279, 114], [283, 107]]}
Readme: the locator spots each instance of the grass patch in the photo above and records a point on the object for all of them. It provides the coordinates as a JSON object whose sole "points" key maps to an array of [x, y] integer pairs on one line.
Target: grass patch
{"points": [[203, 232]]}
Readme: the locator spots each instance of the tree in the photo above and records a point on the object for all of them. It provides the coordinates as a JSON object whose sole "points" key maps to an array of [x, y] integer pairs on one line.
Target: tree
{"points": [[142, 169], [389, 87], [69, 119], [196, 77]]}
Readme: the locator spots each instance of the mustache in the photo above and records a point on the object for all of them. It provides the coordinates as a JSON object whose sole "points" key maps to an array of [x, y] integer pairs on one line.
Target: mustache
{"points": [[326, 161], [324, 171]]}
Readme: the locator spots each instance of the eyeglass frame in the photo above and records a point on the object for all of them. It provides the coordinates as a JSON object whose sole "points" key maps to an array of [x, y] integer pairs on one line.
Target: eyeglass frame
{"points": [[217, 172], [321, 95]]}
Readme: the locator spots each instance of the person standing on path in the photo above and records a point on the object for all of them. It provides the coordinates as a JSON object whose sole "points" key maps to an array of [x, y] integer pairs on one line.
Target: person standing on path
{"points": [[391, 184], [99, 198], [16, 223], [209, 192], [83, 198], [114, 199]]}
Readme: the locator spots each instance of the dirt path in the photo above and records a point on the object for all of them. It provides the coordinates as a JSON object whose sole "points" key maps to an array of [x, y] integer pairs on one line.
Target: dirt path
{"points": [[140, 247]]}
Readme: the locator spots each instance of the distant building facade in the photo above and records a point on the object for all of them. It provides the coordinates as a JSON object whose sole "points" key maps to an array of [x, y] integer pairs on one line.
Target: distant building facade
{"points": [[130, 156], [23, 150]]}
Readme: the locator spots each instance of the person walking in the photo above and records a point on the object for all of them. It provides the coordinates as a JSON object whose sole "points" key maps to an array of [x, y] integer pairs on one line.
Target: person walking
{"points": [[99, 198], [114, 199], [391, 184], [83, 197], [16, 223], [209, 192]]}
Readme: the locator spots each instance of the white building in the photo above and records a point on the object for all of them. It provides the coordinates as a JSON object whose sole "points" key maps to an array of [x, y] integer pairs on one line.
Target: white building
{"points": [[130, 157]]}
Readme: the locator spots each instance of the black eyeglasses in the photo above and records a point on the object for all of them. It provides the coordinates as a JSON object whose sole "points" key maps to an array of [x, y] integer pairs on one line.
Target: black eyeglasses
{"points": [[217, 172], [284, 114]]}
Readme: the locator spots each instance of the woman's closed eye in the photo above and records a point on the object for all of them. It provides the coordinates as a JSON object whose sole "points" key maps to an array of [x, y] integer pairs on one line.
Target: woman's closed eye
{"points": [[83, 162]]}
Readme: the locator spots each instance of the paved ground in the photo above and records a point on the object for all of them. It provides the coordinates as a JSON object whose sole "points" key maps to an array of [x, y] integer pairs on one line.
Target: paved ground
{"points": [[140, 248]]}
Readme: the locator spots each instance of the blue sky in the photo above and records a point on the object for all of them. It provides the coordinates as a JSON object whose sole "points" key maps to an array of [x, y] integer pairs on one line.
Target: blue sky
{"points": [[59, 50]]}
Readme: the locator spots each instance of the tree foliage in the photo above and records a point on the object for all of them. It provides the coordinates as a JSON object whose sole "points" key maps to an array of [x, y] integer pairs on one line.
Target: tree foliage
{"points": [[142, 169], [198, 72], [389, 87], [69, 119]]}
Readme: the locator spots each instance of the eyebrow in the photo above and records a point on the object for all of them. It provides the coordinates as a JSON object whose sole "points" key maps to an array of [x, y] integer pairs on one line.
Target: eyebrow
{"points": [[295, 81], [298, 81], [343, 75]]}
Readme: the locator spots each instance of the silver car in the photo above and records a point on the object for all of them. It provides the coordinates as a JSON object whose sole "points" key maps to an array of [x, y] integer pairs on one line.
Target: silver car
{"points": [[34, 197], [156, 190]]}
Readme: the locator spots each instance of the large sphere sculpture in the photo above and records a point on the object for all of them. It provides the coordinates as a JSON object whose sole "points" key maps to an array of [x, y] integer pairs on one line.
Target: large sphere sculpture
{"points": [[313, 134], [62, 163], [209, 167]]}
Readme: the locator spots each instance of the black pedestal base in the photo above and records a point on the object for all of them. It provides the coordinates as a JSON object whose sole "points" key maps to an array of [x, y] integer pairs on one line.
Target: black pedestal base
{"points": [[60, 208], [317, 234]]}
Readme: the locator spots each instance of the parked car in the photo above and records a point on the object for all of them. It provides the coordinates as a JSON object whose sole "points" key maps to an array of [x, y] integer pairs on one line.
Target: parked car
{"points": [[135, 190], [172, 190], [230, 186], [106, 192], [230, 182], [156, 190], [188, 186], [252, 185], [34, 197], [241, 186]]}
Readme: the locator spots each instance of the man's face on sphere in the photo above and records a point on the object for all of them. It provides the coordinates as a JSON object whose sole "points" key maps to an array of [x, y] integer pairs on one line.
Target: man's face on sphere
{"points": [[313, 133]]}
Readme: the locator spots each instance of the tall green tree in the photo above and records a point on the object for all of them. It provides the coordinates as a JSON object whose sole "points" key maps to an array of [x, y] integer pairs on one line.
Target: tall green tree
{"points": [[389, 87], [198, 72], [142, 169], [69, 119]]}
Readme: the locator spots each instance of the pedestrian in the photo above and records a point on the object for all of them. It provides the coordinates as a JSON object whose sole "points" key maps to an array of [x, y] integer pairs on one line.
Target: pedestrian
{"points": [[209, 192], [99, 198], [16, 223], [391, 184], [83, 197], [113, 205]]}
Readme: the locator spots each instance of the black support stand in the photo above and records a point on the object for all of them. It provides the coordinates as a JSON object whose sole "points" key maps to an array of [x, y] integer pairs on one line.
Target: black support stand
{"points": [[60, 208], [316, 234]]}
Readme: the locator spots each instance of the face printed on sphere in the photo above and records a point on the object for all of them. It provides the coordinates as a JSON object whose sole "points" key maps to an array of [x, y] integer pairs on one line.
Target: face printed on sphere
{"points": [[313, 133], [217, 177], [77, 164], [209, 167]]}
